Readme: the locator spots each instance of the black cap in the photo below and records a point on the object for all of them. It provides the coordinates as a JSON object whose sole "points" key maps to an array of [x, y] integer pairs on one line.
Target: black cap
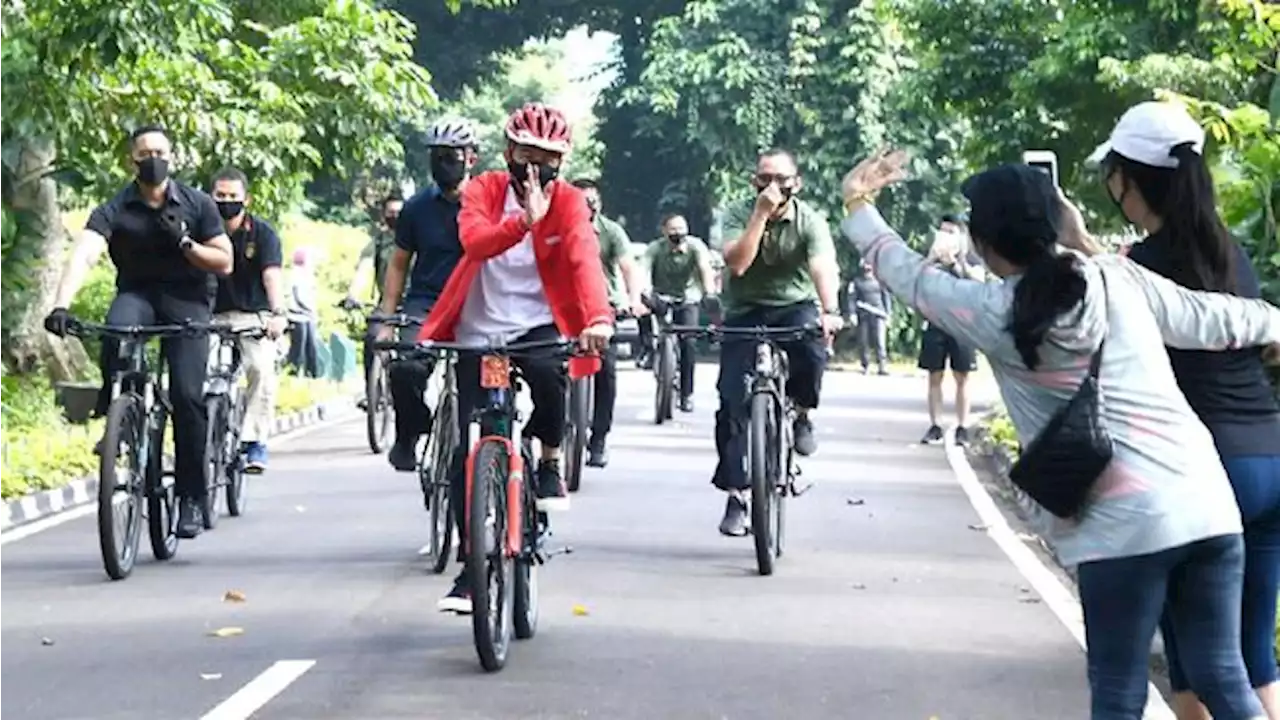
{"points": [[1013, 202]]}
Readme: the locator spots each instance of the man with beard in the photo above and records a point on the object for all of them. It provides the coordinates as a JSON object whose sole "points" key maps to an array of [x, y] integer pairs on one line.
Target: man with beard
{"points": [[167, 242], [427, 236]]}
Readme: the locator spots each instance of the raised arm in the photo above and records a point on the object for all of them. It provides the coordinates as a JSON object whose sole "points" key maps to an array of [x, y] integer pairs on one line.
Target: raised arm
{"points": [[481, 237], [744, 228], [1194, 320], [970, 310]]}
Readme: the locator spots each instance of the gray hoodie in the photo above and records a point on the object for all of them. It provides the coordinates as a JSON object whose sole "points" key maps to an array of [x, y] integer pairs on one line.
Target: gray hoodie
{"points": [[1165, 486]]}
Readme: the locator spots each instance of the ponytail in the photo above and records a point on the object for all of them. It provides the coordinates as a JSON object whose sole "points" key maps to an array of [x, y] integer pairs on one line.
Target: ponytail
{"points": [[1050, 286]]}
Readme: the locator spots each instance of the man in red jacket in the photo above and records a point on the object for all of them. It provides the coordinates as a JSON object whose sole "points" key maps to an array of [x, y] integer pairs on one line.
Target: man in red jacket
{"points": [[530, 270]]}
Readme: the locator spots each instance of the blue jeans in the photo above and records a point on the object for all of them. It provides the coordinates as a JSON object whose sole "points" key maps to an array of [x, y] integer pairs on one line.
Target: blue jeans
{"points": [[1198, 587], [807, 360], [1256, 481]]}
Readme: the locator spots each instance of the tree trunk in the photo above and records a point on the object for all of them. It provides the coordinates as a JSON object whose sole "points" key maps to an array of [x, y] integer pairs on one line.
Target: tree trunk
{"points": [[35, 195]]}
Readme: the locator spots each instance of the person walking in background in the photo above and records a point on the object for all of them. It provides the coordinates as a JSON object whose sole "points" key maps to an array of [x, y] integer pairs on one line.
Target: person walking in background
{"points": [[950, 252], [1157, 176], [304, 355], [871, 305]]}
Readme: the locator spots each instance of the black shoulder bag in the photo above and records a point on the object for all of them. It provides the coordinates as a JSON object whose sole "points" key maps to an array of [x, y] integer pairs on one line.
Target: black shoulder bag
{"points": [[1059, 467]]}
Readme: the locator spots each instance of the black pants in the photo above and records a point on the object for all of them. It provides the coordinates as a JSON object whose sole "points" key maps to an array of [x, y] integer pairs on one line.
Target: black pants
{"points": [[304, 351], [645, 324], [872, 336], [409, 382], [547, 379], [807, 360], [606, 396], [686, 314], [187, 358]]}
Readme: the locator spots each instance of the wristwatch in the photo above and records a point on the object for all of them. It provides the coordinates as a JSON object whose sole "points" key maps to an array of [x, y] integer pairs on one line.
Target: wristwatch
{"points": [[279, 312], [186, 244]]}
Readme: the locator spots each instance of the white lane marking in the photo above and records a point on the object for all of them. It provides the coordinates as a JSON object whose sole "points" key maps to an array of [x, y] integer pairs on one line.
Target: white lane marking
{"points": [[259, 691], [1055, 594]]}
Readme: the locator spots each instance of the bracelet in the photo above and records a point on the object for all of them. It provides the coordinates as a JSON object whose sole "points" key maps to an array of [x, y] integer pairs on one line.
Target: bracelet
{"points": [[861, 198]]}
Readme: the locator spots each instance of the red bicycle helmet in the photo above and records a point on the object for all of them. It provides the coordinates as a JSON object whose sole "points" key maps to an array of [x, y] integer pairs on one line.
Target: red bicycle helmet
{"points": [[540, 126]]}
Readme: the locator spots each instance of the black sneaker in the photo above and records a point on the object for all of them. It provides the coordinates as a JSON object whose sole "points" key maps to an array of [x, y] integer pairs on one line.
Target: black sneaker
{"points": [[458, 600], [401, 456], [933, 436], [734, 522], [962, 436], [802, 436], [597, 454], [866, 370], [552, 493], [686, 404], [190, 518]]}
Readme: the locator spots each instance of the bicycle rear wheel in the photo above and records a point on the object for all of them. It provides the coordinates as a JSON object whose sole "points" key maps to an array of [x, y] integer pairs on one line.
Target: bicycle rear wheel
{"points": [[488, 563], [235, 474], [434, 477], [378, 405], [216, 414], [666, 378], [579, 419], [120, 488], [162, 499], [762, 436]]}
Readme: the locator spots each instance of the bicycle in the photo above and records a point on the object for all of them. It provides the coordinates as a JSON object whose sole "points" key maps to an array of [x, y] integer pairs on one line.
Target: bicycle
{"points": [[771, 463], [134, 433], [579, 401], [436, 456], [379, 412], [667, 361], [506, 533], [225, 403]]}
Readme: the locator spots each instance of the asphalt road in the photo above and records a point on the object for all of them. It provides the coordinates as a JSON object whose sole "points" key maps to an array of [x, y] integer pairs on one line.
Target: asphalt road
{"points": [[887, 605]]}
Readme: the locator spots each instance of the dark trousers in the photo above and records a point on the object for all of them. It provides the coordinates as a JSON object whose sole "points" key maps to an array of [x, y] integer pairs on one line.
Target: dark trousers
{"points": [[645, 324], [872, 336], [606, 396], [686, 314], [304, 353], [408, 379], [547, 379], [187, 359], [807, 360], [1256, 481], [1197, 586]]}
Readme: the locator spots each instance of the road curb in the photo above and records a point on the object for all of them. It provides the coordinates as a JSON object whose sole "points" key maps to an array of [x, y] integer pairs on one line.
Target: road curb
{"points": [[46, 503]]}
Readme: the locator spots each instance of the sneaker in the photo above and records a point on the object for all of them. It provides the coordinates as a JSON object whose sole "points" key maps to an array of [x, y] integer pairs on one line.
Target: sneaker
{"points": [[686, 404], [962, 436], [458, 600], [552, 493], [803, 438], [402, 456], [734, 522], [933, 436], [597, 454], [255, 458], [883, 372], [866, 370], [190, 518], [363, 404]]}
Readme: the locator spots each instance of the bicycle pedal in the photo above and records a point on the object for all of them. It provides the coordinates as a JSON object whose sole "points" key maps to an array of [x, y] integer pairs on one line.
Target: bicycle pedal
{"points": [[798, 491], [565, 550]]}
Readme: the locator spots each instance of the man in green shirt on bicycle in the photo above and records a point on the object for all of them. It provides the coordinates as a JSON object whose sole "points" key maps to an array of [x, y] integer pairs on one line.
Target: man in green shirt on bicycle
{"points": [[781, 271], [679, 265], [375, 256], [624, 292]]}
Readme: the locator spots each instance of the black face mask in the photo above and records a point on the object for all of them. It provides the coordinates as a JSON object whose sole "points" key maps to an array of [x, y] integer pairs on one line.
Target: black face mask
{"points": [[229, 209], [448, 172], [594, 207], [391, 221], [676, 238], [152, 170], [520, 173]]}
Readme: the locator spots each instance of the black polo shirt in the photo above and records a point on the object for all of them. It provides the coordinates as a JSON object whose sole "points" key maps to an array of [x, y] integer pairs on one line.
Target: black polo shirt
{"points": [[428, 228], [255, 247], [145, 258]]}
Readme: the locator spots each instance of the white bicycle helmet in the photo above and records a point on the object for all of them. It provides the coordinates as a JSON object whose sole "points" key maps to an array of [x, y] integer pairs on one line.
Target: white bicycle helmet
{"points": [[453, 133]]}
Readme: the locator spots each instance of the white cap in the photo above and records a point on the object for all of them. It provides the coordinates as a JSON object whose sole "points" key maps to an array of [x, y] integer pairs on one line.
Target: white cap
{"points": [[1148, 131]]}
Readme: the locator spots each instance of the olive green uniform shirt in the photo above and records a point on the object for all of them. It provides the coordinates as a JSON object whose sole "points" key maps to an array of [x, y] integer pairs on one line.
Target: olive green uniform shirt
{"points": [[677, 269], [614, 245], [779, 275], [379, 249]]}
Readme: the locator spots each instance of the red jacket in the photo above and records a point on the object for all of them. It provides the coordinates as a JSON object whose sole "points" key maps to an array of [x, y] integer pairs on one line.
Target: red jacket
{"points": [[564, 244]]}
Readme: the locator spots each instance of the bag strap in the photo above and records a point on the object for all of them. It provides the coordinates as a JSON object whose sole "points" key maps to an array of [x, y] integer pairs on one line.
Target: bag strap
{"points": [[1095, 363]]}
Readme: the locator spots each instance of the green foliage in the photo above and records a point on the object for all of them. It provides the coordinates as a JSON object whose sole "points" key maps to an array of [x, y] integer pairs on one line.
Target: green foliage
{"points": [[1002, 433]]}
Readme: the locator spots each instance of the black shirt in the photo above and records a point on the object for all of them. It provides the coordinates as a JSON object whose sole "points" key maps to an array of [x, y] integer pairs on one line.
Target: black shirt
{"points": [[1229, 390], [145, 257], [255, 247], [428, 228]]}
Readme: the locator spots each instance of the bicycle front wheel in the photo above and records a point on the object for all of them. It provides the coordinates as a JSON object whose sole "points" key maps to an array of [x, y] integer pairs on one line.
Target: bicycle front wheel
{"points": [[579, 419], [121, 472], [162, 499], [235, 474], [762, 443], [378, 405], [434, 476], [216, 407], [488, 562], [666, 378]]}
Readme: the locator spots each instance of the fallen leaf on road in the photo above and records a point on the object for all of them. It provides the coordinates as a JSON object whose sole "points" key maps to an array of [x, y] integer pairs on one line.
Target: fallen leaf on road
{"points": [[859, 586], [854, 501], [1029, 600], [580, 610], [210, 676], [979, 528], [46, 641], [233, 596], [226, 632]]}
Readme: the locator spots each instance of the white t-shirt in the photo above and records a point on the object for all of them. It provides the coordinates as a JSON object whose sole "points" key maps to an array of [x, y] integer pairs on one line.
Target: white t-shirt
{"points": [[507, 299]]}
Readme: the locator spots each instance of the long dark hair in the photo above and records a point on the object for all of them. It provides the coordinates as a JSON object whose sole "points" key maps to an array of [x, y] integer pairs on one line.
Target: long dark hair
{"points": [[1183, 198]]}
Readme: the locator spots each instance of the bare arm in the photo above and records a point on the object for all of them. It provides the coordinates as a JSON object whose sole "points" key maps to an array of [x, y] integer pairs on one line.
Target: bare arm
{"points": [[631, 279], [84, 255], [1194, 320], [273, 281], [393, 284], [212, 255], [706, 275], [826, 278], [741, 251], [363, 269]]}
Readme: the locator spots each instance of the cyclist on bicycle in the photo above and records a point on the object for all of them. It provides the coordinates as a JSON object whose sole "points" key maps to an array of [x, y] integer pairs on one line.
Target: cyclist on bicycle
{"points": [[252, 296], [427, 235], [680, 266], [167, 242], [375, 256], [781, 266], [530, 270], [624, 292]]}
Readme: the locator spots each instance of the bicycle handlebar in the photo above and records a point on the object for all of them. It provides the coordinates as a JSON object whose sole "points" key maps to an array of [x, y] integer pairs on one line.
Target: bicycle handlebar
{"points": [[786, 332], [80, 328], [432, 347], [397, 320]]}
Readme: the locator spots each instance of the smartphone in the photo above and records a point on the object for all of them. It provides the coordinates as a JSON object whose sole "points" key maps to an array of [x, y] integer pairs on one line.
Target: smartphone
{"points": [[1043, 160]]}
